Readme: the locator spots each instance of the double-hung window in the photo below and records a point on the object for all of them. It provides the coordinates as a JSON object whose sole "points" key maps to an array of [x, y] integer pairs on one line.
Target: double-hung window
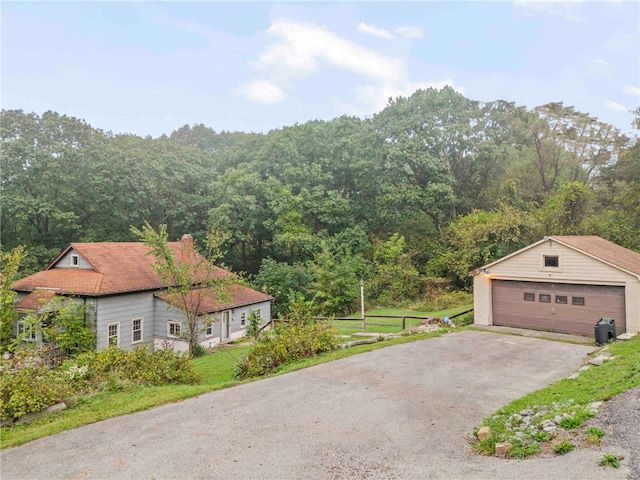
{"points": [[136, 333], [174, 329], [113, 334]]}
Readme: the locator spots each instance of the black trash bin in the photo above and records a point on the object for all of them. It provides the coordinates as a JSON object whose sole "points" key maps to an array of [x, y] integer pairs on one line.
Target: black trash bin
{"points": [[602, 335], [611, 328]]}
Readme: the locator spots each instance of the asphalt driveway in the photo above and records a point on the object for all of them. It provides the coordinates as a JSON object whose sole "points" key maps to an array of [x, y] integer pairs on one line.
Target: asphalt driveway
{"points": [[401, 412]]}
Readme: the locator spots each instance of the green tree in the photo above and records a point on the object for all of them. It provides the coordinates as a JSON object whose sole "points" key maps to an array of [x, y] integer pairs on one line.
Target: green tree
{"points": [[395, 279], [10, 263], [192, 279], [64, 323]]}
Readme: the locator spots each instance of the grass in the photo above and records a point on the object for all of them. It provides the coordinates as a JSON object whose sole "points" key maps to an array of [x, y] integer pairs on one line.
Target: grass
{"points": [[217, 370], [569, 398], [391, 324]]}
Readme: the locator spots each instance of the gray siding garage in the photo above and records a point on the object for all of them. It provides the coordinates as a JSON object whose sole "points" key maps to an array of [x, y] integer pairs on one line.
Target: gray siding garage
{"points": [[557, 307]]}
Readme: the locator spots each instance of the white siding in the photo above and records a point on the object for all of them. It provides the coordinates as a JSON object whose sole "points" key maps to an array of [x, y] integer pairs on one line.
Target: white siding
{"points": [[574, 267]]}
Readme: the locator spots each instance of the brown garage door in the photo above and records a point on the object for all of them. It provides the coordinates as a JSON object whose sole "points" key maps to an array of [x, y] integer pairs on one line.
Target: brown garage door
{"points": [[557, 307]]}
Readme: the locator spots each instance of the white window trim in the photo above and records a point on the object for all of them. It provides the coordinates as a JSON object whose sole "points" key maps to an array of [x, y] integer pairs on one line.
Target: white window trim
{"points": [[243, 319], [551, 269], [117, 325], [23, 328], [208, 332], [174, 322], [133, 331], [258, 313], [75, 260]]}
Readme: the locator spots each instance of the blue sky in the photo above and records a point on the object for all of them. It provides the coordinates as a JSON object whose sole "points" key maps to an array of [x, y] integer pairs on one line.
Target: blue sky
{"points": [[148, 68]]}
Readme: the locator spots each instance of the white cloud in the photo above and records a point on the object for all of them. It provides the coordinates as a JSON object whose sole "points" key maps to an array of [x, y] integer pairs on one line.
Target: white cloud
{"points": [[600, 61], [261, 91], [615, 106], [409, 32], [374, 31], [565, 9], [299, 50], [631, 90]]}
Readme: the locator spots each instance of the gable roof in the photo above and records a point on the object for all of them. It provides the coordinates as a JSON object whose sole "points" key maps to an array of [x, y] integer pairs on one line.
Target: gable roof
{"points": [[35, 300], [590, 245], [205, 300], [118, 267]]}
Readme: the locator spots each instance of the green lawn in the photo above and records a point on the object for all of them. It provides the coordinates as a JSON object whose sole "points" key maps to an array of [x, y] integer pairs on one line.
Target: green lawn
{"points": [[390, 324]]}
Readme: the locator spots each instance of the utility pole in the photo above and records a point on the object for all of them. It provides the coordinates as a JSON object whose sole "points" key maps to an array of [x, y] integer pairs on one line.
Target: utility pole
{"points": [[364, 322]]}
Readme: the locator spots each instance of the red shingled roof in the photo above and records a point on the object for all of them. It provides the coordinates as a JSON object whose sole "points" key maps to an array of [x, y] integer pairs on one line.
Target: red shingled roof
{"points": [[35, 300], [118, 267], [604, 250], [204, 300]]}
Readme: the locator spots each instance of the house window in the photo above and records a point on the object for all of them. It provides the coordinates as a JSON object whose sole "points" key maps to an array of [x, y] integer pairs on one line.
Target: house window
{"points": [[173, 329], [529, 297], [74, 260], [243, 319], [258, 313], [561, 299], [26, 332], [137, 330], [552, 261], [209, 331], [113, 334], [544, 298], [577, 301]]}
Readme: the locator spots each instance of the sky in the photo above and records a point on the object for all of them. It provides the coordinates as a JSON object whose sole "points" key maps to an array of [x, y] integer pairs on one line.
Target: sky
{"points": [[148, 68]]}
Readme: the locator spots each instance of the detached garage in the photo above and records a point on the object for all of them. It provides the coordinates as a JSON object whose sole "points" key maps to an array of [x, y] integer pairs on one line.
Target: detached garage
{"points": [[563, 284]]}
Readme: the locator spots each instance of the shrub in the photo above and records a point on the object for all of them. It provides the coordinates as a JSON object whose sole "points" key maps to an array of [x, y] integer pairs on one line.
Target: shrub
{"points": [[30, 389], [286, 344], [198, 351], [143, 367]]}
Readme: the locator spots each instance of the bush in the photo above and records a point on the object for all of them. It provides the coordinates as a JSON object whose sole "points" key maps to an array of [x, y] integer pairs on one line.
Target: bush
{"points": [[563, 448], [286, 344], [198, 351], [30, 389], [142, 367]]}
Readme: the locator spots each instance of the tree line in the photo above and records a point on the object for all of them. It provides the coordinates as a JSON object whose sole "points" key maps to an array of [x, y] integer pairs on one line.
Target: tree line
{"points": [[429, 188]]}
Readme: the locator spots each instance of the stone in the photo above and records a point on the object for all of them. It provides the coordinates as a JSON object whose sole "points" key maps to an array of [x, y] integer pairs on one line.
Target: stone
{"points": [[29, 417], [502, 449], [597, 361], [573, 376], [484, 433], [584, 367]]}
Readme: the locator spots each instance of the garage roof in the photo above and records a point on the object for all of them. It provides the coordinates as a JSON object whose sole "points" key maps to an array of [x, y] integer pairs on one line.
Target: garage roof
{"points": [[591, 245]]}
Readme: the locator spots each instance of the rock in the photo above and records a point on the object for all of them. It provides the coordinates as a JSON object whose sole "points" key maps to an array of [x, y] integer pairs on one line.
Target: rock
{"points": [[502, 449], [484, 433], [583, 368], [29, 417], [527, 411], [597, 361], [573, 376]]}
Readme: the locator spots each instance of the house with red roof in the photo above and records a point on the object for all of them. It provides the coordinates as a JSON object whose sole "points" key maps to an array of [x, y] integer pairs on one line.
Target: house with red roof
{"points": [[128, 301]]}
